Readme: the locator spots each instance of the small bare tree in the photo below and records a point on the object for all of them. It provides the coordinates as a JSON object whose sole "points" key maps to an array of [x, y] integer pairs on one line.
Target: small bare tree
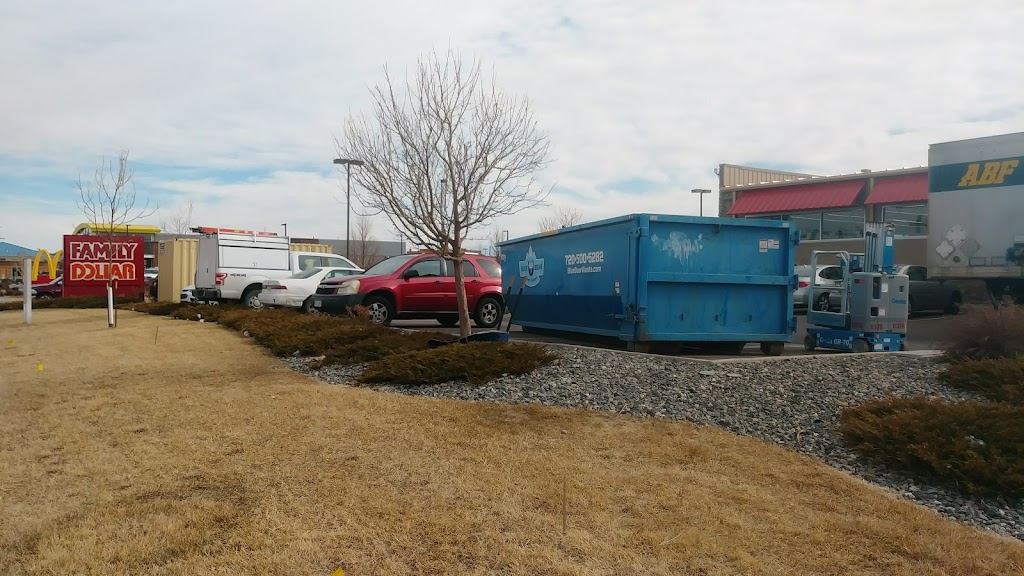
{"points": [[559, 218], [364, 247], [496, 236], [444, 153], [108, 204], [179, 221]]}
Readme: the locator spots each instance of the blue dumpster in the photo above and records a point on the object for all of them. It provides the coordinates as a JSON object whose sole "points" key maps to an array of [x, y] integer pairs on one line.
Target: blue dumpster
{"points": [[649, 278]]}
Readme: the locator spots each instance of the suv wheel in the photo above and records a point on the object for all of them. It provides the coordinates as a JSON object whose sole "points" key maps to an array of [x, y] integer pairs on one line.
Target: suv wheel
{"points": [[448, 320], [488, 312], [381, 310]]}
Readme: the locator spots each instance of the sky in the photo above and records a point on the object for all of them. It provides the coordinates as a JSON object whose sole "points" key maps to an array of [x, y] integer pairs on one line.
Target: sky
{"points": [[235, 106]]}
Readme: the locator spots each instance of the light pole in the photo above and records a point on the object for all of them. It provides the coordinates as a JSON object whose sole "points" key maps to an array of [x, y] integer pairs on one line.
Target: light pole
{"points": [[702, 192], [285, 229], [349, 163]]}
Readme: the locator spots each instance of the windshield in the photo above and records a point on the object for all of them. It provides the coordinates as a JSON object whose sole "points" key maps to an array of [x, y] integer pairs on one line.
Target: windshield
{"points": [[389, 266], [306, 273]]}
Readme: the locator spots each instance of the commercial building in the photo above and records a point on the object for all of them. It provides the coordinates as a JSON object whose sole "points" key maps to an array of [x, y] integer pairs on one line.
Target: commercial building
{"points": [[830, 211], [12, 259]]}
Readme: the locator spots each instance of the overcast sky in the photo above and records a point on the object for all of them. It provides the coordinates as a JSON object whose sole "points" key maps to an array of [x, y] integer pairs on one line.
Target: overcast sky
{"points": [[234, 105]]}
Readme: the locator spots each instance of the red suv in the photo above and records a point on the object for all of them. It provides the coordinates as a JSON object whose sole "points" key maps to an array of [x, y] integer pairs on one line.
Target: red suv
{"points": [[414, 286]]}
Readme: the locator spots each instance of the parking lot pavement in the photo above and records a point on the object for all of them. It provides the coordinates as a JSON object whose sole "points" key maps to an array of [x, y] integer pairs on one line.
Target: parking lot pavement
{"points": [[925, 332]]}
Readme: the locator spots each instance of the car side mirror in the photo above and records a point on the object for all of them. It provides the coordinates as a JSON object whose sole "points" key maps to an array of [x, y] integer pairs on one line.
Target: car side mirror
{"points": [[410, 274]]}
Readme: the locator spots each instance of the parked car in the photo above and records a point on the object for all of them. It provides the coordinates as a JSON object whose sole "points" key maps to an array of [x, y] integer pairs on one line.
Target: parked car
{"points": [[188, 293], [52, 289], [418, 286], [925, 295], [828, 276], [296, 291]]}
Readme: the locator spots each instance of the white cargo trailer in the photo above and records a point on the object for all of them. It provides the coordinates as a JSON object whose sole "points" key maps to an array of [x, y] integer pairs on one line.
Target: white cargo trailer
{"points": [[976, 212]]}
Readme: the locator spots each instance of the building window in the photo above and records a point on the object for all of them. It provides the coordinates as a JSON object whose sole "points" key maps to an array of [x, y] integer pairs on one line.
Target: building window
{"points": [[910, 220], [842, 224], [808, 223]]}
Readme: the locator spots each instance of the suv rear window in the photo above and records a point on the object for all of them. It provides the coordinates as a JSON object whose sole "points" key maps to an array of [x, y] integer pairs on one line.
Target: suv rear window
{"points": [[490, 267]]}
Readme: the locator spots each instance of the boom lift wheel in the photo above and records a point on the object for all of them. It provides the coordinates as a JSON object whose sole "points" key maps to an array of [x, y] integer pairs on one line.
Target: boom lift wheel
{"points": [[861, 345], [810, 342]]}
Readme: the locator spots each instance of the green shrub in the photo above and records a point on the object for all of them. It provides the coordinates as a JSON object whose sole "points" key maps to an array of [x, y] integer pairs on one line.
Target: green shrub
{"points": [[987, 333], [1000, 379], [477, 362], [976, 447]]}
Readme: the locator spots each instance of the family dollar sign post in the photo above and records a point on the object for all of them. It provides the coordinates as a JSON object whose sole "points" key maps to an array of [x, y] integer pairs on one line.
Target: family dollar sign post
{"points": [[90, 262]]}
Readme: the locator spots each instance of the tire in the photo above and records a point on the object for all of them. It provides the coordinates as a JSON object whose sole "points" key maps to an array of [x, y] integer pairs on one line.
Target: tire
{"points": [[308, 308], [910, 308], [954, 305], [45, 296], [448, 320], [810, 342], [772, 348], [488, 312], [821, 302], [382, 311], [860, 346], [251, 298]]}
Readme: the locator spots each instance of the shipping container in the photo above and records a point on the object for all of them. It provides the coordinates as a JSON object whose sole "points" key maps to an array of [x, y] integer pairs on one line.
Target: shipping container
{"points": [[177, 260], [649, 278], [976, 211]]}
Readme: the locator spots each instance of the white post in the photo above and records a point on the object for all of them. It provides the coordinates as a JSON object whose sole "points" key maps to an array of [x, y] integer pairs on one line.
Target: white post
{"points": [[26, 273], [110, 306]]}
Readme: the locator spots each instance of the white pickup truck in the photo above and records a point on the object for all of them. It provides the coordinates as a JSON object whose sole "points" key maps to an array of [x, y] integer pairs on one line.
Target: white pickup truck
{"points": [[232, 265]]}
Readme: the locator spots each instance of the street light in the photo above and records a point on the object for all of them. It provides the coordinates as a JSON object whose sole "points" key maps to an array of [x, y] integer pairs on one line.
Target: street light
{"points": [[348, 197], [702, 192], [285, 229]]}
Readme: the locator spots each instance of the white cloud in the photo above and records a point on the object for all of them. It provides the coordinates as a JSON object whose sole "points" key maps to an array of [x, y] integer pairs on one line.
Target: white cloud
{"points": [[641, 90]]}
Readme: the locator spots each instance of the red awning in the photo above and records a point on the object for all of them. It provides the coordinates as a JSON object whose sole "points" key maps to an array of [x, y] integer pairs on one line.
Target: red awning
{"points": [[899, 190], [795, 198]]}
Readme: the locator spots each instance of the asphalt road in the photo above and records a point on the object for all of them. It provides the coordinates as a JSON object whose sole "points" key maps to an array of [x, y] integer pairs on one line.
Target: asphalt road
{"points": [[925, 332]]}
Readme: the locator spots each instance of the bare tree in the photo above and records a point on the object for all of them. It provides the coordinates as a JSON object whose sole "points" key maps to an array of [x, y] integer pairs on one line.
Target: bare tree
{"points": [[559, 218], [179, 221], [445, 152], [496, 236], [364, 247], [108, 204]]}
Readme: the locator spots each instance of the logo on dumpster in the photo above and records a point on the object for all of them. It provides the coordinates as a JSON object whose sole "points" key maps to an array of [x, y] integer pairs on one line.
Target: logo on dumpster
{"points": [[532, 268]]}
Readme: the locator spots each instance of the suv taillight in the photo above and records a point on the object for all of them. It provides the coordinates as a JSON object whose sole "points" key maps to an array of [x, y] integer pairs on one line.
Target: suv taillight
{"points": [[219, 278]]}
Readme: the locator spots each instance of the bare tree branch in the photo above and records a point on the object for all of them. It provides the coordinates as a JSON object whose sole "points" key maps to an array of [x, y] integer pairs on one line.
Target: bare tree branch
{"points": [[364, 248], [560, 217], [445, 152], [179, 221]]}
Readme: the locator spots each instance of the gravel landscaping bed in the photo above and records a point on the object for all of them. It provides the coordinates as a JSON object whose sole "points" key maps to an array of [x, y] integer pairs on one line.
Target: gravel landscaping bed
{"points": [[791, 402]]}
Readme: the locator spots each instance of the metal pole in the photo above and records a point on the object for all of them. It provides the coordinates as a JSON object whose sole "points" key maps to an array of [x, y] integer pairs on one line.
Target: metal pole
{"points": [[701, 204], [348, 208], [26, 304]]}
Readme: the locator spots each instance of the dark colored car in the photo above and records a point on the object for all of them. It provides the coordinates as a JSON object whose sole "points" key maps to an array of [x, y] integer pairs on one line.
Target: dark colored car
{"points": [[52, 289], [414, 286], [925, 295]]}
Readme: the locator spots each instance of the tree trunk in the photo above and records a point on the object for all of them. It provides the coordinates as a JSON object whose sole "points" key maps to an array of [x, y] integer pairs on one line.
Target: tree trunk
{"points": [[460, 297]]}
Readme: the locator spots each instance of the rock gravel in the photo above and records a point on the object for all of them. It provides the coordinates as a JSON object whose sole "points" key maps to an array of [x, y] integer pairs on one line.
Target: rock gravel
{"points": [[792, 402]]}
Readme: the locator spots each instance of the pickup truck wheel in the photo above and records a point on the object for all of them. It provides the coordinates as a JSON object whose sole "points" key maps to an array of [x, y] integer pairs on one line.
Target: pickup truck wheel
{"points": [[954, 305], [381, 310], [45, 296], [488, 312], [251, 298]]}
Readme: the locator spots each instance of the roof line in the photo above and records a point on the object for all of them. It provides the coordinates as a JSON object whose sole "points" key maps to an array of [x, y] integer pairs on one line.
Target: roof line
{"points": [[837, 178]]}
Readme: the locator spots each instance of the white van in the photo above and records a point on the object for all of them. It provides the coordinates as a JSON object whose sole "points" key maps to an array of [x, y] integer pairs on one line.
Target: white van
{"points": [[232, 265]]}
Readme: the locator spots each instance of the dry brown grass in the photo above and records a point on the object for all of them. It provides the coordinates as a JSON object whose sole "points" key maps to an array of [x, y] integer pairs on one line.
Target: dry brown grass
{"points": [[203, 454]]}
